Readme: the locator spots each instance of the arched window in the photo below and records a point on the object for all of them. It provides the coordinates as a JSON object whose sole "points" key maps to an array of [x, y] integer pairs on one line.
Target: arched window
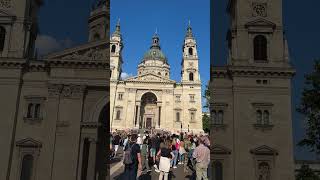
{"points": [[266, 117], [214, 116], [113, 48], [260, 48], [191, 76], [178, 116], [96, 36], [218, 170], [220, 117], [26, 167], [30, 110], [2, 38], [118, 116], [37, 111], [259, 117], [190, 51]]}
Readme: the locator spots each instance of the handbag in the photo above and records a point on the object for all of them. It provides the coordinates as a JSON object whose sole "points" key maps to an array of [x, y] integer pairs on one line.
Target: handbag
{"points": [[164, 164]]}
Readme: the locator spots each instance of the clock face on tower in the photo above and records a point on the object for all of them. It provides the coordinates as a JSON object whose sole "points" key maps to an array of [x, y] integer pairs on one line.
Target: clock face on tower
{"points": [[259, 9]]}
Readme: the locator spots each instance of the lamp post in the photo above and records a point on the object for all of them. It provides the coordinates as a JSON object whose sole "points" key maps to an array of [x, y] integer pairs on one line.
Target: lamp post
{"points": [[181, 128], [188, 127]]}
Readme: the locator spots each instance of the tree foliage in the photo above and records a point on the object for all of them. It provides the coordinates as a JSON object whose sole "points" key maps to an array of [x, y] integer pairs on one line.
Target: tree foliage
{"points": [[305, 173], [206, 117], [310, 108]]}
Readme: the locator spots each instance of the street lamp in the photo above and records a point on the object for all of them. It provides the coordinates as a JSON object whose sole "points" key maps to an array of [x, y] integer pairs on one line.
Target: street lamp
{"points": [[181, 128], [188, 127]]}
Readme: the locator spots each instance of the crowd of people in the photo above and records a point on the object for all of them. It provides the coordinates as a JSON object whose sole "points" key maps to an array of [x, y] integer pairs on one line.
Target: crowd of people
{"points": [[162, 152]]}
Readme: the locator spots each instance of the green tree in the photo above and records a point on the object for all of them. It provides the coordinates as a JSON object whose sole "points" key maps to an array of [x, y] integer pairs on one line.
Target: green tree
{"points": [[206, 123], [206, 117], [305, 173], [310, 108]]}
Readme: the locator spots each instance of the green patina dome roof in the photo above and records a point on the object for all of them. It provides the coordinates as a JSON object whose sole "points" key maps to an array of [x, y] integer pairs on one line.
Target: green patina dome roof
{"points": [[155, 53]]}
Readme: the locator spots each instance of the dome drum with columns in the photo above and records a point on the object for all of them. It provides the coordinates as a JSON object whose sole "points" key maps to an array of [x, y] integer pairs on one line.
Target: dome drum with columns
{"points": [[151, 100]]}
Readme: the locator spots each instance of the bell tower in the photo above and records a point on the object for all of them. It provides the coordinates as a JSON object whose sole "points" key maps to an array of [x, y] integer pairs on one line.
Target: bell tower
{"points": [[256, 36], [116, 53], [98, 21], [251, 110], [190, 61], [18, 28]]}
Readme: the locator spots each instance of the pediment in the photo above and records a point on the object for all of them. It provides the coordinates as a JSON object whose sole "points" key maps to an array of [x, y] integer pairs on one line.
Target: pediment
{"points": [[150, 78], [219, 149], [29, 142], [260, 23], [264, 150], [95, 51]]}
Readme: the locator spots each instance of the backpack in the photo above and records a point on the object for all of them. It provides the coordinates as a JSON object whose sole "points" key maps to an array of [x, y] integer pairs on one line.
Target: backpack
{"points": [[127, 160]]}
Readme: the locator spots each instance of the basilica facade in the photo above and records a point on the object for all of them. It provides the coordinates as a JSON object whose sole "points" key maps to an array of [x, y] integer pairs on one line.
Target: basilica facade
{"points": [[151, 100], [251, 97]]}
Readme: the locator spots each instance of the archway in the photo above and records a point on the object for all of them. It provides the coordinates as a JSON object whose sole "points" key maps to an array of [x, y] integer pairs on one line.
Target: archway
{"points": [[102, 149], [148, 112]]}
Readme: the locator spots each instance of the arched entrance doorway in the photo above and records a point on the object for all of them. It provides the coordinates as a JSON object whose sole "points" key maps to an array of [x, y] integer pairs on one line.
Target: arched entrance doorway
{"points": [[102, 144], [149, 111]]}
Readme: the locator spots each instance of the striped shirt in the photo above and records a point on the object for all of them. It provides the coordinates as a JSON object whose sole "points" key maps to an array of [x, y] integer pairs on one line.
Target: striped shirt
{"points": [[202, 155]]}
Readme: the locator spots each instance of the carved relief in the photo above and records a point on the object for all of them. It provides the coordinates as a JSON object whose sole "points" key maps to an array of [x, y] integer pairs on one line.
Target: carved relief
{"points": [[72, 91], [91, 54], [5, 3], [54, 89], [259, 9]]}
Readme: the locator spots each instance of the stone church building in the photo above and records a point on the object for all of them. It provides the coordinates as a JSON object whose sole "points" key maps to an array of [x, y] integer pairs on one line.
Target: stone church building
{"points": [[151, 100], [251, 97], [53, 108]]}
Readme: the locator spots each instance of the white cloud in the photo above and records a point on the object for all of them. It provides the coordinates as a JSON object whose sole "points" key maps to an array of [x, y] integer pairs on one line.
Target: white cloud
{"points": [[46, 44], [125, 75]]}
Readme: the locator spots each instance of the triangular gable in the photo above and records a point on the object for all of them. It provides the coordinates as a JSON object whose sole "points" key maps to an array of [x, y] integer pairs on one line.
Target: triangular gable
{"points": [[219, 149], [29, 142], [149, 77], [264, 150], [89, 51], [260, 22]]}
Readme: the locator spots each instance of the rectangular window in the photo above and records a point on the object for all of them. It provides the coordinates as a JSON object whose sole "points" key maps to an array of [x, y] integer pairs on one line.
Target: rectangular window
{"points": [[120, 96], [192, 98], [178, 98], [34, 109], [192, 116], [178, 116]]}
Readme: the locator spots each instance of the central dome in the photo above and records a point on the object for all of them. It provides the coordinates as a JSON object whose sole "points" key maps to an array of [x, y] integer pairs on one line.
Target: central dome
{"points": [[155, 53]]}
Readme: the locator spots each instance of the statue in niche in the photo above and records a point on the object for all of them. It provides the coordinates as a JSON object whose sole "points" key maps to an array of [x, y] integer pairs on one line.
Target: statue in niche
{"points": [[264, 171]]}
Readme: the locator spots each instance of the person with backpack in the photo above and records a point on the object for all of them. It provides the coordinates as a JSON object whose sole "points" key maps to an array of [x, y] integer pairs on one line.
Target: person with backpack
{"points": [[144, 156], [132, 159]]}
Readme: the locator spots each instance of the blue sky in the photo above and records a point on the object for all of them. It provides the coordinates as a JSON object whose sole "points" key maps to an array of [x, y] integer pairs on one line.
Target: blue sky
{"points": [[302, 31], [64, 23], [140, 19]]}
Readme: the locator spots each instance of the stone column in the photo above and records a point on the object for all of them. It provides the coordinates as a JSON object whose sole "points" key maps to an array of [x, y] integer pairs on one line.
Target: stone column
{"points": [[138, 117], [92, 159]]}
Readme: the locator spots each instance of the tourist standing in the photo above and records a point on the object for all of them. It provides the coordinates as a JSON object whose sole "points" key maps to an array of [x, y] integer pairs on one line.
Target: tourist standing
{"points": [[144, 156], [202, 157], [116, 142], [165, 155], [182, 152], [132, 159], [175, 153]]}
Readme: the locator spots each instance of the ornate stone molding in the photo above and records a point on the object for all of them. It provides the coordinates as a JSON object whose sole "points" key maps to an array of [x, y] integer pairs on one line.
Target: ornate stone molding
{"points": [[91, 54], [54, 90], [5, 4], [73, 91]]}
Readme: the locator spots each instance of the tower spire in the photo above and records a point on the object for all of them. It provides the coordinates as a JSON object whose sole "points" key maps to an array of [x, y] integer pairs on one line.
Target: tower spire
{"points": [[189, 31], [117, 32]]}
